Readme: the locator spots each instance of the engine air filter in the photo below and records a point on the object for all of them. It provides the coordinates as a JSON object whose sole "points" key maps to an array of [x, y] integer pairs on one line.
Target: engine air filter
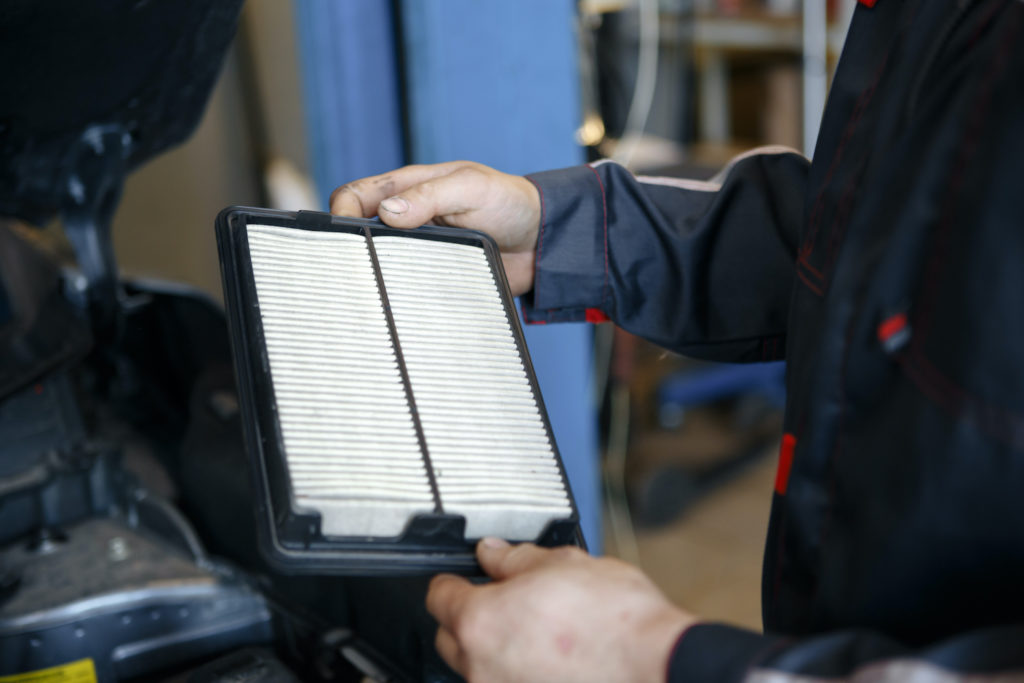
{"points": [[391, 410]]}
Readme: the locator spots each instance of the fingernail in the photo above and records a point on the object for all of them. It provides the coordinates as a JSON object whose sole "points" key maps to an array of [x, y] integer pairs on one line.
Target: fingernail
{"points": [[493, 542], [395, 205]]}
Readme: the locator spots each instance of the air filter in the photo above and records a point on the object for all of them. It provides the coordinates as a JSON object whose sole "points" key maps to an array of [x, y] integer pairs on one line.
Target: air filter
{"points": [[391, 411]]}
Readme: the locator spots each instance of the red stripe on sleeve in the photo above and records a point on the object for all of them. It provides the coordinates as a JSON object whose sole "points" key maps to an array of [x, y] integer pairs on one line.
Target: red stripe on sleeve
{"points": [[526, 318], [595, 315], [892, 326], [785, 463]]}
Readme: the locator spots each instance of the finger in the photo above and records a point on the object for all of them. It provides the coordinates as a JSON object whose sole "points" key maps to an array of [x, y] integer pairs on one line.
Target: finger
{"points": [[457, 192], [501, 560], [448, 647], [361, 197], [447, 596], [347, 200]]}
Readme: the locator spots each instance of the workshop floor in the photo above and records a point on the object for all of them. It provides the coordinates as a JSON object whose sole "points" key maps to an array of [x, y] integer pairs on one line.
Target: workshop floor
{"points": [[709, 559]]}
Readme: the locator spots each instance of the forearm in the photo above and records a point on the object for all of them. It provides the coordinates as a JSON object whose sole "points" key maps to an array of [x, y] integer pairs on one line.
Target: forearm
{"points": [[700, 267]]}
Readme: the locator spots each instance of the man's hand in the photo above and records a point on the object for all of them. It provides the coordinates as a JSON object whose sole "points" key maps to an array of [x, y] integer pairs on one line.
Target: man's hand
{"points": [[462, 194], [554, 615]]}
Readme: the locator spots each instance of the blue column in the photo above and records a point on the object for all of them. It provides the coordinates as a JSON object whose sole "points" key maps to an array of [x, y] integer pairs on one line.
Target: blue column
{"points": [[497, 82], [350, 84]]}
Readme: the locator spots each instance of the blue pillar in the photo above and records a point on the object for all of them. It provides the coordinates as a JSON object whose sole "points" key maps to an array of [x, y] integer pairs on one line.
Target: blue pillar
{"points": [[497, 82], [350, 85]]}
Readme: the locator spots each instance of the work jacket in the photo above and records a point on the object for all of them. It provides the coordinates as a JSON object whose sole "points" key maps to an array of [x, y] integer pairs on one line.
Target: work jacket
{"points": [[889, 274]]}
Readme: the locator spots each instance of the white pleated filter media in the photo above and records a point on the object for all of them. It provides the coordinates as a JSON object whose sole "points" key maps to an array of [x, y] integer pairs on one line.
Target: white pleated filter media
{"points": [[349, 437], [349, 434], [488, 445]]}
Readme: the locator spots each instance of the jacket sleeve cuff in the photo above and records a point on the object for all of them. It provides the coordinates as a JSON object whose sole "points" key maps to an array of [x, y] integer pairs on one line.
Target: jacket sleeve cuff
{"points": [[717, 652], [571, 279]]}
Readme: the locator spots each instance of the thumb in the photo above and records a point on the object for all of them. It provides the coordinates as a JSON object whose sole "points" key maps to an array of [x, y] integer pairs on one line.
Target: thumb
{"points": [[502, 561], [454, 193]]}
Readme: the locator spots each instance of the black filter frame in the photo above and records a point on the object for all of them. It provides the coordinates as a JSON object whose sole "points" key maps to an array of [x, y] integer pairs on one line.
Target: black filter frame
{"points": [[289, 534]]}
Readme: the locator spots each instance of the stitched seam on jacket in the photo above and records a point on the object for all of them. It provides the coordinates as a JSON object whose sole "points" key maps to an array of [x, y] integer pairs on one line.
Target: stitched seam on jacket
{"points": [[842, 220], [988, 418], [830, 490], [810, 285], [605, 293], [772, 354], [807, 248], [1000, 423], [968, 146]]}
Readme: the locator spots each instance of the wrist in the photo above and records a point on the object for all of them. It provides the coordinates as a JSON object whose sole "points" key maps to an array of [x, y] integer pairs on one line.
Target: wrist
{"points": [[658, 638]]}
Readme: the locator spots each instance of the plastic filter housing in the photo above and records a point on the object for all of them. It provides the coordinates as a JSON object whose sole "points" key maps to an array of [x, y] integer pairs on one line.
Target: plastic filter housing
{"points": [[389, 401]]}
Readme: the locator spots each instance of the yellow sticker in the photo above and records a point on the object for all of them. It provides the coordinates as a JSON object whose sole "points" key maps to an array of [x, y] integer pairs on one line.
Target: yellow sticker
{"points": [[81, 671]]}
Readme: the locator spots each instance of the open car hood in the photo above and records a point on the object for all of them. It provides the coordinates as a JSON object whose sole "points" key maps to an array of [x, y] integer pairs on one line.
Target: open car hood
{"points": [[142, 68]]}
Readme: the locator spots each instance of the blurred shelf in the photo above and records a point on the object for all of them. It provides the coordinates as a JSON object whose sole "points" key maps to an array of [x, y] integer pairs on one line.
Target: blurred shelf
{"points": [[716, 39], [753, 32]]}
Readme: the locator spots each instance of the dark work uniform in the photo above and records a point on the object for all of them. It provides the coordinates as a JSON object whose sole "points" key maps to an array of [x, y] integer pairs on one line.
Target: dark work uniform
{"points": [[889, 273]]}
